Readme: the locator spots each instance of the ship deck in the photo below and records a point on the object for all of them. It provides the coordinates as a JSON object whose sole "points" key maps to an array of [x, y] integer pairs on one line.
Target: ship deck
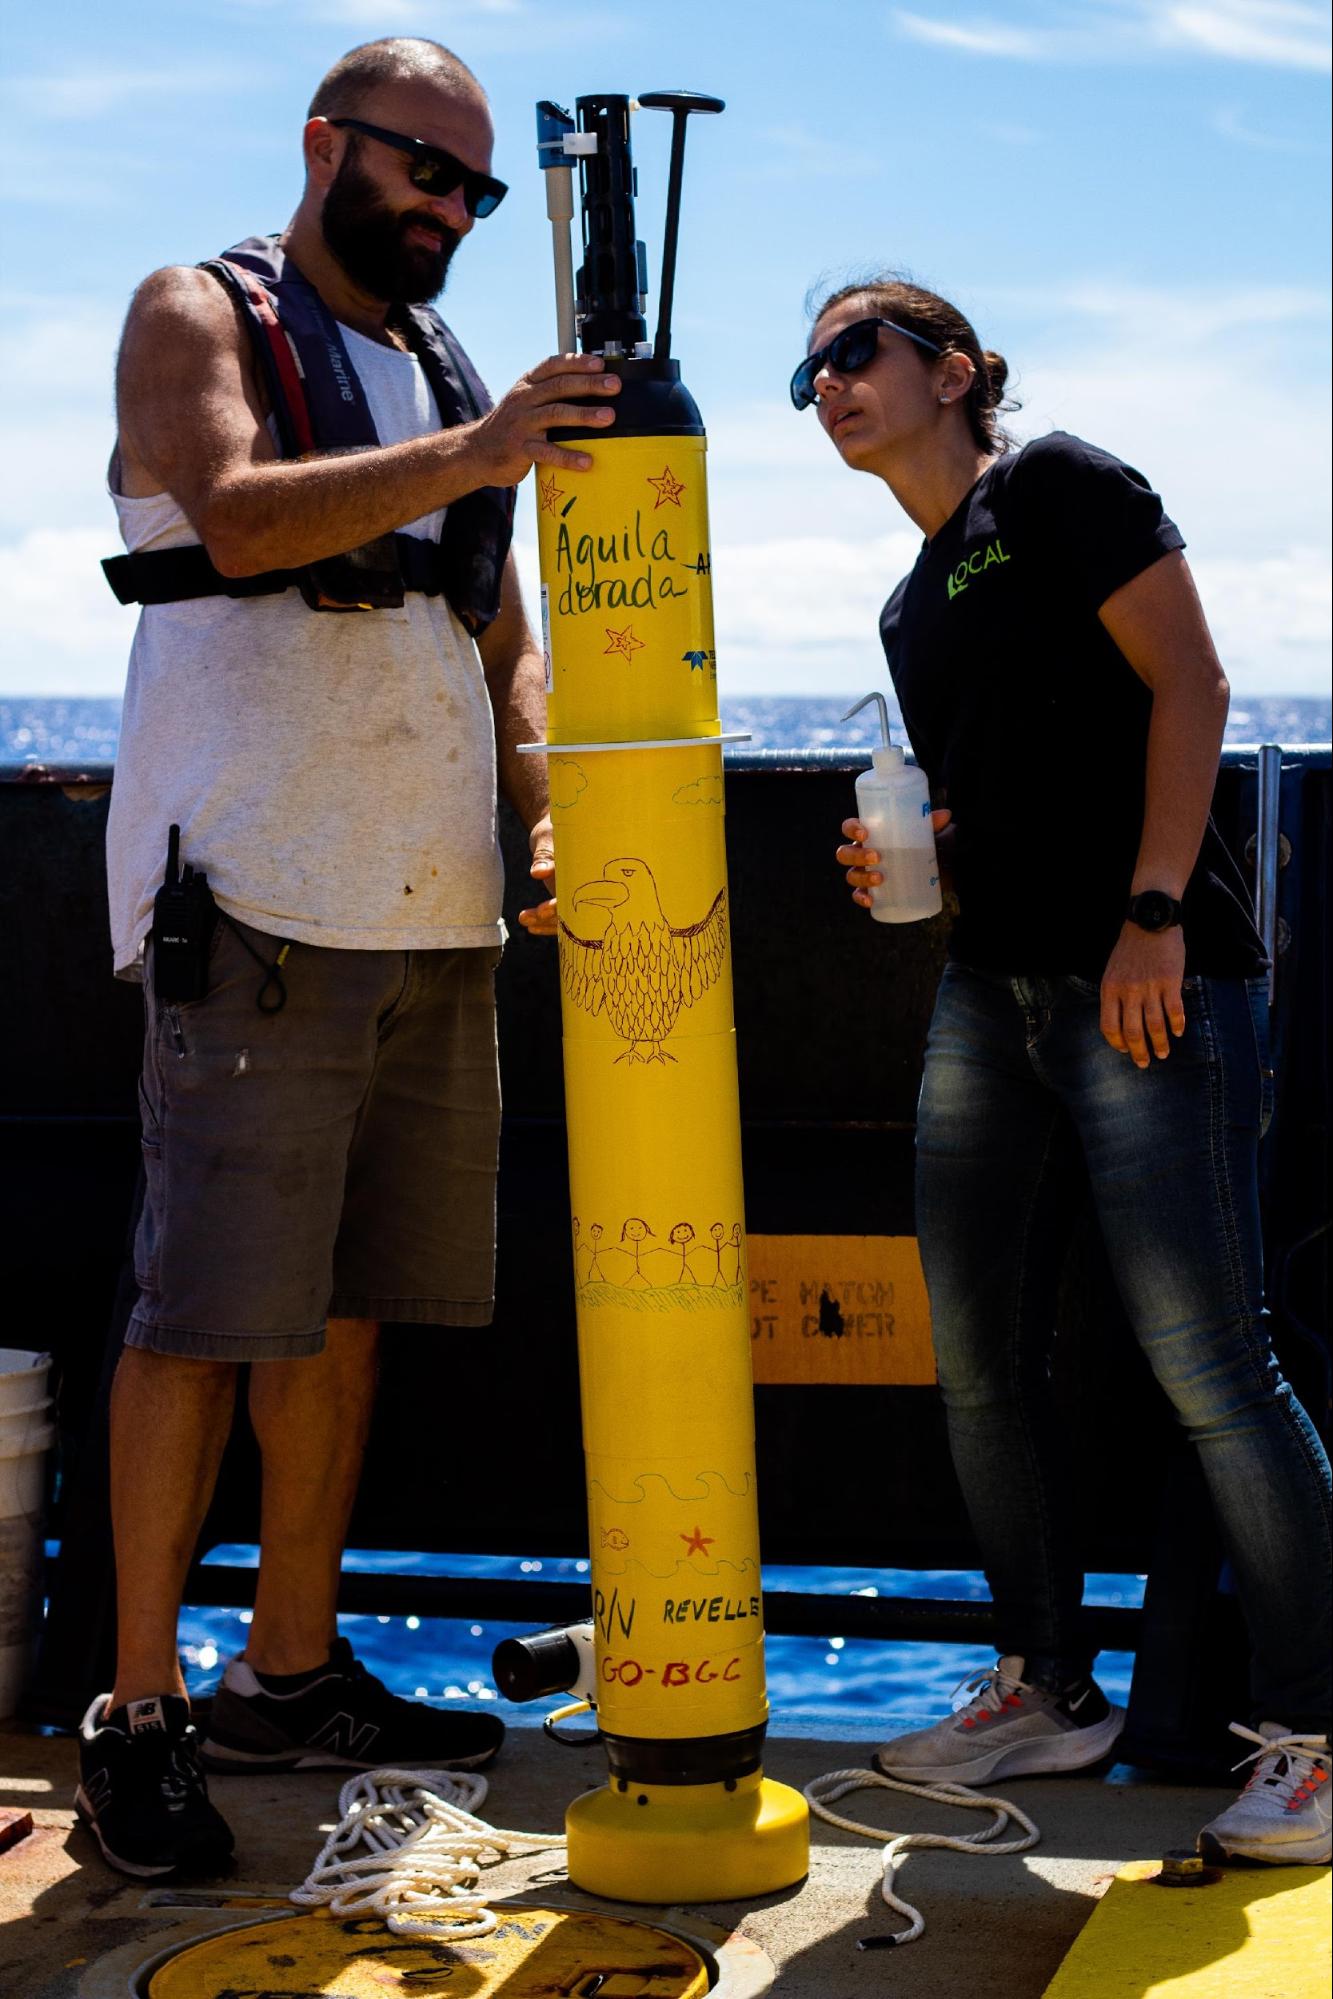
{"points": [[73, 1929]]}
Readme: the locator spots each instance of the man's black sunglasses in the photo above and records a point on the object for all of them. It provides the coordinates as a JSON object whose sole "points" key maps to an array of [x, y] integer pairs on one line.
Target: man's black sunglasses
{"points": [[848, 352], [434, 171]]}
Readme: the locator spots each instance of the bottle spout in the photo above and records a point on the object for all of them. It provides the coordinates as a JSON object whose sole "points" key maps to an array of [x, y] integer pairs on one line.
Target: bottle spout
{"points": [[885, 734]]}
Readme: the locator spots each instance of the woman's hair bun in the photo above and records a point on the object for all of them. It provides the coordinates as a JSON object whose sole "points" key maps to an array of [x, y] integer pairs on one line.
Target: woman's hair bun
{"points": [[997, 368]]}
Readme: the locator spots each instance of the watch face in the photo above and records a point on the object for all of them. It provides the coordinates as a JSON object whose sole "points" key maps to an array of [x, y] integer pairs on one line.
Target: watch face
{"points": [[1154, 909]]}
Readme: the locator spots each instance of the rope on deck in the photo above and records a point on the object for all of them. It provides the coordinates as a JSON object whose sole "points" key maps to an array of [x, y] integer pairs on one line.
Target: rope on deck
{"points": [[409, 1848], [821, 1792]]}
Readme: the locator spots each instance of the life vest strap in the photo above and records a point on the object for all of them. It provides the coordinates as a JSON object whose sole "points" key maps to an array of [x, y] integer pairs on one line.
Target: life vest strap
{"points": [[172, 575]]}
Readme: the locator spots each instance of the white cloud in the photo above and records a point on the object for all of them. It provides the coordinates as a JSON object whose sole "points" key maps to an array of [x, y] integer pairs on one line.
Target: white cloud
{"points": [[978, 37], [1153, 316], [1280, 32], [1288, 34], [1011, 135], [1229, 123], [92, 93], [381, 15], [64, 631], [1271, 618], [792, 152]]}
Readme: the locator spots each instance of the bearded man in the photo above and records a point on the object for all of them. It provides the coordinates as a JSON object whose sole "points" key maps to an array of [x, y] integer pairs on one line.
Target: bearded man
{"points": [[329, 679]]}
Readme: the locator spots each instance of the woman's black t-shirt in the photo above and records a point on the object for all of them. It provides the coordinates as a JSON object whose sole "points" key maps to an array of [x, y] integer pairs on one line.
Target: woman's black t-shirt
{"points": [[1031, 724]]}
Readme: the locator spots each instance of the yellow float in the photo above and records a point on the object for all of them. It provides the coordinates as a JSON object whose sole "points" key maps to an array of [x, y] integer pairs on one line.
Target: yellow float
{"points": [[658, 1232]]}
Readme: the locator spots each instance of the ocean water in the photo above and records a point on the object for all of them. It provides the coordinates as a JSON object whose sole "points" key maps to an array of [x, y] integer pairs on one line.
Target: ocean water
{"points": [[75, 731], [832, 1682]]}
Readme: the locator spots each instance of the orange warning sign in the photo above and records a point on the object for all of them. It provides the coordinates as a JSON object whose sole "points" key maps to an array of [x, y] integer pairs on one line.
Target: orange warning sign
{"points": [[839, 1310]]}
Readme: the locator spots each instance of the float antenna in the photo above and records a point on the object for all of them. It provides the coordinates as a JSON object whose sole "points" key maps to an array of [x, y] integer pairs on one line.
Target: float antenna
{"points": [[555, 131], [679, 103]]}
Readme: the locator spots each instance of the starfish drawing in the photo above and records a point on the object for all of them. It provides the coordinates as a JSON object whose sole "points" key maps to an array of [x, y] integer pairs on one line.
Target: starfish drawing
{"points": [[624, 642], [550, 493], [698, 1543], [668, 488]]}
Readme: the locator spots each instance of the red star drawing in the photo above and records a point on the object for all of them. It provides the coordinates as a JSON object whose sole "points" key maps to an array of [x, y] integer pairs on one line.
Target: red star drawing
{"points": [[550, 493], [698, 1543], [668, 488], [624, 642]]}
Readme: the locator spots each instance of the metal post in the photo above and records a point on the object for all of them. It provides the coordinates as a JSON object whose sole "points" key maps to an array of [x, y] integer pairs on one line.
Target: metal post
{"points": [[1266, 846], [557, 141]]}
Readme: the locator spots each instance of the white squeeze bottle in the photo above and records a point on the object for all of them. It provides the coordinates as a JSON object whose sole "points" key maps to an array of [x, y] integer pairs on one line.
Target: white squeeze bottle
{"points": [[893, 803]]}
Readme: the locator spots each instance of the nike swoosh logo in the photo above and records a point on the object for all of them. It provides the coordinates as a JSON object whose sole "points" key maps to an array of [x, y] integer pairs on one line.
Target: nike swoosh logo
{"points": [[1074, 1706]]}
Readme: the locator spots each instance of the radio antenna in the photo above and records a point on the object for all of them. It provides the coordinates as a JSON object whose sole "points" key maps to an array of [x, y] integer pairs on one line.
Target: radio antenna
{"points": [[679, 103]]}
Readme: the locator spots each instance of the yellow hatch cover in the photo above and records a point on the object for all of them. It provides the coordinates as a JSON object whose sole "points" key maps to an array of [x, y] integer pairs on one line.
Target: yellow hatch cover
{"points": [[1257, 1933], [534, 1954]]}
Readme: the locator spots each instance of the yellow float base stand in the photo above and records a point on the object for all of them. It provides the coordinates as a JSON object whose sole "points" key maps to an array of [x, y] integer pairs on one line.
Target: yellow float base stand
{"points": [[667, 1843], [1256, 1933]]}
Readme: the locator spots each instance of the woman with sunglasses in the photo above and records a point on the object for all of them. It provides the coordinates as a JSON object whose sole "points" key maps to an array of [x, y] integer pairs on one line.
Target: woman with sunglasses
{"points": [[1102, 1019]]}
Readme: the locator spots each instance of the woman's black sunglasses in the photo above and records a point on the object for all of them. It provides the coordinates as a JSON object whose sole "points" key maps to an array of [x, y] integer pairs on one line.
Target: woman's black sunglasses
{"points": [[434, 171], [848, 352]]}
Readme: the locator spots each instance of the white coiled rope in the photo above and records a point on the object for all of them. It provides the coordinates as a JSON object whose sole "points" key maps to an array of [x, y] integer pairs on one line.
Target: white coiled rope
{"points": [[820, 1792], [409, 1849]]}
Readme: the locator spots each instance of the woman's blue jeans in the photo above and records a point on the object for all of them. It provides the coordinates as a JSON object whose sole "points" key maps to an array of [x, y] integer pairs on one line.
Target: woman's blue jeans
{"points": [[1018, 1082]]}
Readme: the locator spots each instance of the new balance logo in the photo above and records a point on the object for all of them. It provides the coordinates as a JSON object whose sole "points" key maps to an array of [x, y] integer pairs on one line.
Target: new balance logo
{"points": [[97, 1789], [342, 1735]]}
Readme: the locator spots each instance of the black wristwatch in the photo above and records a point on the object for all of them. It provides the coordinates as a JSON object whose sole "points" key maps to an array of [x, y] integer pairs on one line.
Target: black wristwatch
{"points": [[1153, 909]]}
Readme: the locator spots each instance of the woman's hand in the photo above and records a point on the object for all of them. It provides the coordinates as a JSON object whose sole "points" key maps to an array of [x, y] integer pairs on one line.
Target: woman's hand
{"points": [[861, 861], [1141, 993], [540, 920]]}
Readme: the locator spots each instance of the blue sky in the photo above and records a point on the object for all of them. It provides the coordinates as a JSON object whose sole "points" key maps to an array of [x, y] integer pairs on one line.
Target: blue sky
{"points": [[1129, 197]]}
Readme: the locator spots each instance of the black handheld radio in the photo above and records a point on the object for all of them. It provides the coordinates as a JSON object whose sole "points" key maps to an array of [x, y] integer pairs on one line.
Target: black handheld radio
{"points": [[184, 916]]}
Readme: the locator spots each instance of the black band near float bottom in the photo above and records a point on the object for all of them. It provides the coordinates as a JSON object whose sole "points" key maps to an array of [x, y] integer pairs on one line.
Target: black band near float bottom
{"points": [[696, 1759]]}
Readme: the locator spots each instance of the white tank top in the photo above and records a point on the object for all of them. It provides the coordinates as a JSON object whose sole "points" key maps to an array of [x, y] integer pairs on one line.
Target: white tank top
{"points": [[332, 772]]}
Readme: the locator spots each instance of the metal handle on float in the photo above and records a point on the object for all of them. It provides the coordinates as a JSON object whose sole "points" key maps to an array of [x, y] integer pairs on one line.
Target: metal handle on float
{"points": [[1267, 848], [680, 103]]}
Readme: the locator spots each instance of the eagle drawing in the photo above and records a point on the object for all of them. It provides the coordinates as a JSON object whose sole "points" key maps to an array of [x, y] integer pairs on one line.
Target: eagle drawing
{"points": [[641, 968]]}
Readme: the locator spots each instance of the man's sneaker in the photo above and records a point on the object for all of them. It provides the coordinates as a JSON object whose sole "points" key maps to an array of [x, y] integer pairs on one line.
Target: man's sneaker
{"points": [[141, 1792], [1007, 1729], [339, 1717], [1283, 1813]]}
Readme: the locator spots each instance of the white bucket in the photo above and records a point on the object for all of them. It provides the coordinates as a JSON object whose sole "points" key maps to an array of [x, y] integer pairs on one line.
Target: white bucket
{"points": [[22, 1496], [16, 1424], [22, 1379]]}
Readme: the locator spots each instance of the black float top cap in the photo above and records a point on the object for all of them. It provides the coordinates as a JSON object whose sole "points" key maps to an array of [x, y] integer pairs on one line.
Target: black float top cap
{"points": [[680, 100]]}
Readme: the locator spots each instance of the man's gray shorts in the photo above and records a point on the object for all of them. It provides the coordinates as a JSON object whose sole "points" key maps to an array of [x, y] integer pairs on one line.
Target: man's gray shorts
{"points": [[335, 1159]]}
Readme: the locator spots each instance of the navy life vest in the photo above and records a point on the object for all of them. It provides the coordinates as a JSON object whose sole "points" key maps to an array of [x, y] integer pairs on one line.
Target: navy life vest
{"points": [[319, 405]]}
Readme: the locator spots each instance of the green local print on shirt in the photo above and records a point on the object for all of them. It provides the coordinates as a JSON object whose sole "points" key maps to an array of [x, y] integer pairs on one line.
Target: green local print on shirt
{"points": [[973, 565]]}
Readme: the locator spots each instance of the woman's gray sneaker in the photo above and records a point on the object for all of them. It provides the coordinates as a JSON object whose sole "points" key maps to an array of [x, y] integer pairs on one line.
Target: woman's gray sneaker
{"points": [[142, 1794], [1282, 1815], [1007, 1729], [339, 1717]]}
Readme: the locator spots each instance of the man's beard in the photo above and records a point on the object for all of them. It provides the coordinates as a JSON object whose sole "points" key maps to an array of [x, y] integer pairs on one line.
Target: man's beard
{"points": [[366, 237]]}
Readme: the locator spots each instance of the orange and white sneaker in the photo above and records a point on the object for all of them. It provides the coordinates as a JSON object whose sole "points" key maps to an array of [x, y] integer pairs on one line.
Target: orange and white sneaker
{"points": [[1282, 1815]]}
